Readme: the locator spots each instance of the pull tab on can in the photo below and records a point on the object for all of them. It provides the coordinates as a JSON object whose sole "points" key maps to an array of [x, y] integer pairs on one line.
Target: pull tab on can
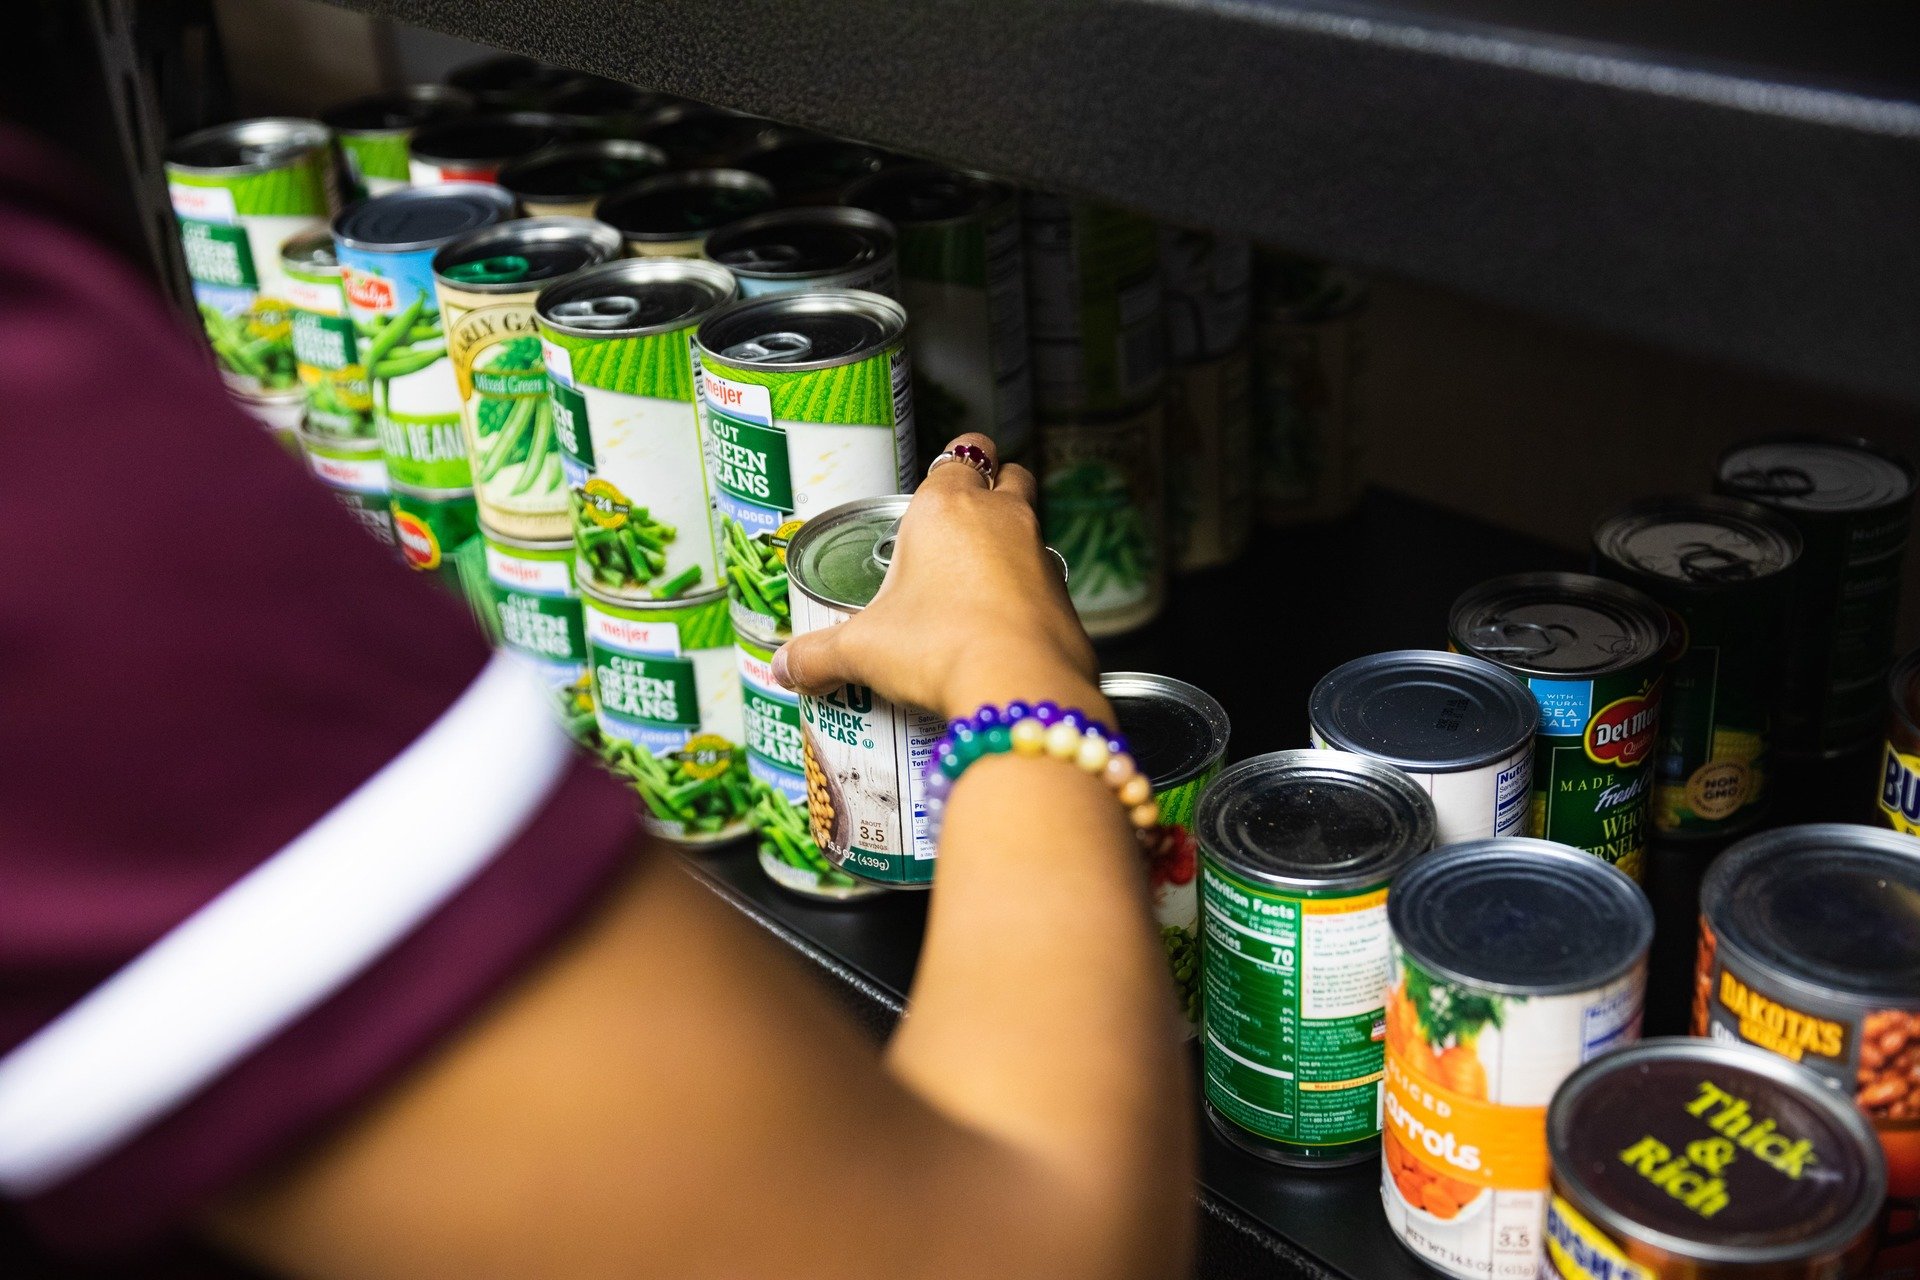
{"points": [[599, 313], [783, 346]]}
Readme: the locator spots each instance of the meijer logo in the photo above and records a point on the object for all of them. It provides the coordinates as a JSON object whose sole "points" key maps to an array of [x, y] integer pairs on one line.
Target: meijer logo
{"points": [[1623, 732], [369, 292], [724, 394]]}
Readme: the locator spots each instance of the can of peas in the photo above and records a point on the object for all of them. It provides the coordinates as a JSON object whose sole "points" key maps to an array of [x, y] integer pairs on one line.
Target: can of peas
{"points": [[667, 701], [356, 474]]}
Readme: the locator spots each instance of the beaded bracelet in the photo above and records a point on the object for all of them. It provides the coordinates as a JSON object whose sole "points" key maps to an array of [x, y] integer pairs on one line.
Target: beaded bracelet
{"points": [[1045, 729]]}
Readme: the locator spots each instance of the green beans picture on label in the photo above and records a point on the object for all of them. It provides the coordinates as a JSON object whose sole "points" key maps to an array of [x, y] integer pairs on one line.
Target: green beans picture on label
{"points": [[1102, 506]]}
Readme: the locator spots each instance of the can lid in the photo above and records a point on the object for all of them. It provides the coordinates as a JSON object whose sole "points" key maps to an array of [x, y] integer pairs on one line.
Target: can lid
{"points": [[489, 136], [399, 110], [580, 170], [1814, 473], [674, 206], [421, 217], [1829, 908], [795, 244], [1423, 710], [696, 134], [1521, 916], [517, 256], [1174, 730], [1816, 1192], [247, 146], [914, 195], [1314, 821], [634, 297], [1558, 624], [311, 252], [803, 167], [840, 557], [800, 331], [1701, 542]]}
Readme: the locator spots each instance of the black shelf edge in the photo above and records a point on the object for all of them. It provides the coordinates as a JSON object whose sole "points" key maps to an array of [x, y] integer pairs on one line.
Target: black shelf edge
{"points": [[1733, 182]]}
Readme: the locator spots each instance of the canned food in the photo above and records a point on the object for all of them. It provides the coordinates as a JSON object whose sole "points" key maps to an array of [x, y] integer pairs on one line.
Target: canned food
{"points": [[487, 282], [1208, 286], [963, 280], [1851, 503], [281, 415], [610, 104], [537, 615], [695, 135], [809, 170], [1721, 570], [1297, 851], [807, 405], [240, 191], [356, 474], [1094, 307], [434, 530], [569, 180], [1594, 654], [1461, 728], [792, 250], [373, 132], [1681, 1160], [670, 215], [667, 701], [386, 247], [326, 350], [1307, 358], [506, 81], [1103, 507], [1810, 948], [1514, 961], [624, 401], [476, 148], [1900, 760], [776, 765], [863, 754], [1178, 737]]}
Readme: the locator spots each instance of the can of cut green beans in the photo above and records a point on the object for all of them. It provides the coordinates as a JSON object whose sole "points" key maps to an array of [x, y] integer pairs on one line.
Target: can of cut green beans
{"points": [[1722, 570], [356, 474], [776, 765], [475, 148], [569, 180], [618, 340], [695, 135], [326, 349], [1594, 654], [1103, 506], [1094, 307], [372, 133], [666, 697], [240, 191], [807, 405], [794, 250], [1852, 504], [809, 170], [963, 280], [1177, 735], [536, 615], [1297, 850], [386, 247], [1307, 359], [671, 215], [863, 755], [487, 283], [1208, 281]]}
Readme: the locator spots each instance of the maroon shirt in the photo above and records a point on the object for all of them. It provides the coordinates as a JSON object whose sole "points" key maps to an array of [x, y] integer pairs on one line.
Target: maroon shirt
{"points": [[200, 656]]}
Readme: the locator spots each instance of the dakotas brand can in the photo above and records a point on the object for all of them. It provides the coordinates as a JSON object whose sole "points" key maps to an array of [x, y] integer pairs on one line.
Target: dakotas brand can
{"points": [[1178, 737], [1681, 1160], [504, 82], [807, 405], [1721, 568], [1094, 307], [667, 700], [963, 280], [793, 250], [476, 148], [1208, 285], [1899, 803], [487, 283], [695, 135], [1307, 360], [1297, 850], [617, 340], [776, 765], [1810, 948], [373, 133], [1852, 504], [386, 247], [326, 349], [240, 191], [863, 754], [1594, 654], [1103, 489], [1461, 728], [670, 215], [809, 170], [569, 180], [1514, 961], [356, 474]]}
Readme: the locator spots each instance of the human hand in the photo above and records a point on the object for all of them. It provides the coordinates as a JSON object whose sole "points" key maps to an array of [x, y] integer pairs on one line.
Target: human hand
{"points": [[973, 609]]}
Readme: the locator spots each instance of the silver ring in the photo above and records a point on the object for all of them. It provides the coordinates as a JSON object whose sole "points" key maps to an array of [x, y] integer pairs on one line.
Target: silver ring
{"points": [[975, 460]]}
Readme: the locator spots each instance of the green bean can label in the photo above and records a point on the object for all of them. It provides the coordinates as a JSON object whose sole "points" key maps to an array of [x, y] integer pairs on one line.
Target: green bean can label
{"points": [[1210, 460], [1592, 787], [1173, 879], [376, 162], [628, 433], [1294, 1037], [358, 478], [538, 608], [416, 403], [232, 229], [505, 412], [326, 353], [784, 446], [1102, 505], [1093, 306]]}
